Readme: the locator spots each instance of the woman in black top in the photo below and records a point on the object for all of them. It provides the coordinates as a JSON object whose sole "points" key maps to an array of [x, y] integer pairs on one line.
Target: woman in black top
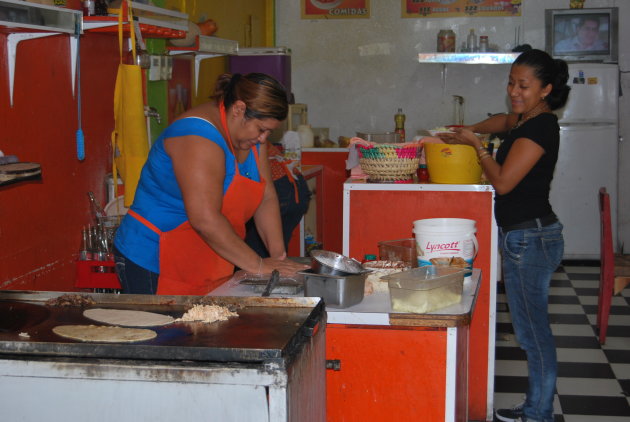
{"points": [[530, 234]]}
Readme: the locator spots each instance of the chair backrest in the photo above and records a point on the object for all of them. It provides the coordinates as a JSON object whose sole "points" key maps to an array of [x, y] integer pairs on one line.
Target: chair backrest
{"points": [[607, 255]]}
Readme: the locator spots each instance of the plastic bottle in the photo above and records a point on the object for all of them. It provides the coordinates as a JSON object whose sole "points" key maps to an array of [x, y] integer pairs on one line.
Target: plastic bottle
{"points": [[446, 41], [307, 139], [399, 119], [423, 173], [471, 41]]}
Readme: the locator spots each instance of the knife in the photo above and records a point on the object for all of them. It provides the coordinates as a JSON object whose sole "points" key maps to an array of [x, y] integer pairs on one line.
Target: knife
{"points": [[275, 277]]}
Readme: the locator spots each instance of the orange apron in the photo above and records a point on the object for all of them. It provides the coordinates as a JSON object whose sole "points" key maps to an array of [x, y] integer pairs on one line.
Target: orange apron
{"points": [[188, 266]]}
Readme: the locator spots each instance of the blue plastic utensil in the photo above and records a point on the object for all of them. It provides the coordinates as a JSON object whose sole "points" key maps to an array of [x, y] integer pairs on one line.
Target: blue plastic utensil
{"points": [[80, 137]]}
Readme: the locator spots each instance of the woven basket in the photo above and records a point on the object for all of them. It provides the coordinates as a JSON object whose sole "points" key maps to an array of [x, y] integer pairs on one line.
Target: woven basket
{"points": [[389, 162]]}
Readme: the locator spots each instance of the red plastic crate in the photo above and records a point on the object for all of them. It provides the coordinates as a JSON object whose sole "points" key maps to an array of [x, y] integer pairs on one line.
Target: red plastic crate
{"points": [[96, 275]]}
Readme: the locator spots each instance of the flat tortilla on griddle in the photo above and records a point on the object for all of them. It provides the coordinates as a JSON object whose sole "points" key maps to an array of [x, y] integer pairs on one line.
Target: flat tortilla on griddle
{"points": [[127, 318], [104, 334]]}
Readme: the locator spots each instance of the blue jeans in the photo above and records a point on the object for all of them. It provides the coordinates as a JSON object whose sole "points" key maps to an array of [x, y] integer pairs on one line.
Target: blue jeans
{"points": [[530, 257], [134, 278]]}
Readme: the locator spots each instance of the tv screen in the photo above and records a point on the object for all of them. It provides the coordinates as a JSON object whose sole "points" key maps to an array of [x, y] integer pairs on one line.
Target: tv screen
{"points": [[582, 34]]}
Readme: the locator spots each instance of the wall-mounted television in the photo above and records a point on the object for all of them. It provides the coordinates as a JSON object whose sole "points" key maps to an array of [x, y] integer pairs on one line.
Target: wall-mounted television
{"points": [[589, 35]]}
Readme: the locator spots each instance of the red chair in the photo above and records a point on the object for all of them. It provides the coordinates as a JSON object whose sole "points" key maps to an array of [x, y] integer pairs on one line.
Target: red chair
{"points": [[614, 268]]}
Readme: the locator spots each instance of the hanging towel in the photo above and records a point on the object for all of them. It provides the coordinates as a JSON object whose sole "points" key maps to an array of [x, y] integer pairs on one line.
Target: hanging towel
{"points": [[129, 138]]}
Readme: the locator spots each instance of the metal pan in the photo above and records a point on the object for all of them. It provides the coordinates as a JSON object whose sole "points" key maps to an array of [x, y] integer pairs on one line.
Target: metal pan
{"points": [[332, 263]]}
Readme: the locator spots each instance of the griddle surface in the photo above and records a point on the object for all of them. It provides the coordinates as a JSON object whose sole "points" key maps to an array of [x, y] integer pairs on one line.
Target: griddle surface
{"points": [[266, 329]]}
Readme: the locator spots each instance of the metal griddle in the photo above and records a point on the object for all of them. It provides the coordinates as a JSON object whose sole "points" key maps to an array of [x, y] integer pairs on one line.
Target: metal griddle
{"points": [[267, 329]]}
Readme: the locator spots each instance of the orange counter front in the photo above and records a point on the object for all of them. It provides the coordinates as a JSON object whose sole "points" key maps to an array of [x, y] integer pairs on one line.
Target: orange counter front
{"points": [[385, 365], [381, 368]]}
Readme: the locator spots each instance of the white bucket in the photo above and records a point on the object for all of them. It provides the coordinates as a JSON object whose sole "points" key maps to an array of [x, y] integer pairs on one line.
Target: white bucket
{"points": [[446, 241]]}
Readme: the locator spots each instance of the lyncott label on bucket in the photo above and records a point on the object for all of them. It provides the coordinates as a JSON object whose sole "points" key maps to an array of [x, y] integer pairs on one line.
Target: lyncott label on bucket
{"points": [[446, 241]]}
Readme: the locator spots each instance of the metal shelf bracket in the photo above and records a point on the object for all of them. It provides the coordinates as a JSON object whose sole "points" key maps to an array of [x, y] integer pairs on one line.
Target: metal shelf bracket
{"points": [[14, 39], [198, 58]]}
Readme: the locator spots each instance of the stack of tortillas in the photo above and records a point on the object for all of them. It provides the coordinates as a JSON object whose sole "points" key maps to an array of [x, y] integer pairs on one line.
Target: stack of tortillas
{"points": [[13, 171]]}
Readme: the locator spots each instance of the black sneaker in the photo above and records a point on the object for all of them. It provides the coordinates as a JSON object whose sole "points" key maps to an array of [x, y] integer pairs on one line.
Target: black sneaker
{"points": [[515, 414]]}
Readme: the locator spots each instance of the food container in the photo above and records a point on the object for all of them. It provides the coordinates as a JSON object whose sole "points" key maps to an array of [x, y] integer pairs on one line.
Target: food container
{"points": [[399, 250], [337, 291], [332, 263], [425, 289], [374, 282], [452, 164]]}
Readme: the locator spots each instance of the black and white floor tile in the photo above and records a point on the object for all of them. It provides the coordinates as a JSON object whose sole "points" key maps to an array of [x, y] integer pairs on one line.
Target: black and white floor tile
{"points": [[593, 380]]}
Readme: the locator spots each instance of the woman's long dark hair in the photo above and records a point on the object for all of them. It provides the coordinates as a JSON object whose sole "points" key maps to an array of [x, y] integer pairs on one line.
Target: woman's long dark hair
{"points": [[264, 96], [549, 71]]}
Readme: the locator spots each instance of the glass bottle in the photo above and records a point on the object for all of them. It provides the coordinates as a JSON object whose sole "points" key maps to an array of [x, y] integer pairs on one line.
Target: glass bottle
{"points": [[88, 8], [100, 7], [483, 43], [446, 41], [399, 119], [94, 7], [307, 139], [471, 41]]}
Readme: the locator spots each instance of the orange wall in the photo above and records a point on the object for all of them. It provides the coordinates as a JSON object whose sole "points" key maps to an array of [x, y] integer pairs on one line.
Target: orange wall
{"points": [[41, 222]]}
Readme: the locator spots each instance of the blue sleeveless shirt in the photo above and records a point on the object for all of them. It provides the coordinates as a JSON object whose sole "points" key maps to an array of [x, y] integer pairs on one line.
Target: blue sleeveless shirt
{"points": [[158, 197]]}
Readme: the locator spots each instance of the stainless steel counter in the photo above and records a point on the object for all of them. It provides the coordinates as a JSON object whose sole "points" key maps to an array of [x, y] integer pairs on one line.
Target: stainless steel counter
{"points": [[375, 309]]}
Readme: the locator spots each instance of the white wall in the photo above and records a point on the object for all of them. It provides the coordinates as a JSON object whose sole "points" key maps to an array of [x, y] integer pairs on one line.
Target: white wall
{"points": [[355, 73]]}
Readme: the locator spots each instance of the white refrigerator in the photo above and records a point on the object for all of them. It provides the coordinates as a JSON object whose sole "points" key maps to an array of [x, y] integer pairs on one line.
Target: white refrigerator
{"points": [[588, 158]]}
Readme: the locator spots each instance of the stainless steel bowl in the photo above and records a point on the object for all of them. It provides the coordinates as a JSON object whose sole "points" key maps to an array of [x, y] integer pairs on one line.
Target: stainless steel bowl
{"points": [[326, 262]]}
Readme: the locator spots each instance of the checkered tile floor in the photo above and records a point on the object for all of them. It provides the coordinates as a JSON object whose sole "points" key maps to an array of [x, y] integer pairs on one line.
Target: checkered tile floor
{"points": [[593, 380]]}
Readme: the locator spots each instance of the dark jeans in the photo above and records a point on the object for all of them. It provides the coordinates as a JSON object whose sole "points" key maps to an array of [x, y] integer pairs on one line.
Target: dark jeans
{"points": [[290, 212], [530, 257], [134, 278]]}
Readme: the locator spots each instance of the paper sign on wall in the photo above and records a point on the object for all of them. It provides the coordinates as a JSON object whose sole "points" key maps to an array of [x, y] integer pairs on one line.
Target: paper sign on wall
{"points": [[468, 8], [335, 9]]}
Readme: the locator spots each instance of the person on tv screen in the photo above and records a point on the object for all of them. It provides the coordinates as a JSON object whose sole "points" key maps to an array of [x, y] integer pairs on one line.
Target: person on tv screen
{"points": [[586, 37]]}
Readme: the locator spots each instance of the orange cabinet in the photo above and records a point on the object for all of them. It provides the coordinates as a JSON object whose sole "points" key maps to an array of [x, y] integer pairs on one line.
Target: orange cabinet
{"points": [[373, 212], [385, 365]]}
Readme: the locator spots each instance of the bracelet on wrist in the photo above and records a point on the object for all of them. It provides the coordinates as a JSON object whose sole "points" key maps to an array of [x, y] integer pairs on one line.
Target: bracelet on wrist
{"points": [[481, 158]]}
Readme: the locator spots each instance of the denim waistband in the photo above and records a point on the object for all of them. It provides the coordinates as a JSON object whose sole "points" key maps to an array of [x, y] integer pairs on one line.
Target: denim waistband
{"points": [[532, 224]]}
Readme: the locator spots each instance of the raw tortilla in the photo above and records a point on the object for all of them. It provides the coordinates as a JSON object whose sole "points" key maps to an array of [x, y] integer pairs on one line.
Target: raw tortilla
{"points": [[127, 318], [105, 334]]}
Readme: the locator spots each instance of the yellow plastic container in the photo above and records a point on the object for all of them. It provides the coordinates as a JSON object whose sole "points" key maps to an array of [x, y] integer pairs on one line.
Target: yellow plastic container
{"points": [[452, 164]]}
